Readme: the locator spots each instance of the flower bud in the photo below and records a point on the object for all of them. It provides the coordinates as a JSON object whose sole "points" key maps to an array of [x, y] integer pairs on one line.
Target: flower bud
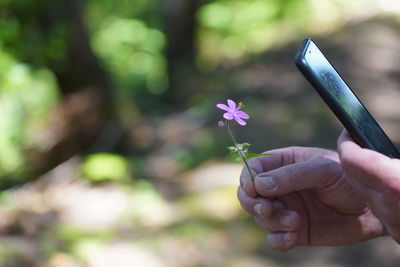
{"points": [[222, 124]]}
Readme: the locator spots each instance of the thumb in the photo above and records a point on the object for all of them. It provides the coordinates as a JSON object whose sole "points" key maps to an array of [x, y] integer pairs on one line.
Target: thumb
{"points": [[316, 173]]}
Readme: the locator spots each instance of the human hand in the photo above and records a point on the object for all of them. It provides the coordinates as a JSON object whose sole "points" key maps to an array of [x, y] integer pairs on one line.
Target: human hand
{"points": [[377, 178], [302, 196]]}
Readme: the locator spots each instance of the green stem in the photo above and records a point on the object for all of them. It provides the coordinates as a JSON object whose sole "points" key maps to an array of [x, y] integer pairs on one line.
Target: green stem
{"points": [[248, 168], [231, 134], [240, 153]]}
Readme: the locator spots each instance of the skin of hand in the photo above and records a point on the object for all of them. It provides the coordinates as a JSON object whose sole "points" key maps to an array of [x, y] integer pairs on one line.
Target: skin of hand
{"points": [[377, 178], [303, 198]]}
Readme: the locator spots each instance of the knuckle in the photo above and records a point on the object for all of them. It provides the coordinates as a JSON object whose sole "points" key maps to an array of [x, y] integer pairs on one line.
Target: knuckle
{"points": [[266, 224], [346, 162], [290, 157], [279, 245], [332, 168]]}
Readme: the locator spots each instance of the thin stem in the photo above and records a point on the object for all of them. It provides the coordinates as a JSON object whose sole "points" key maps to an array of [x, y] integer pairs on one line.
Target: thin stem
{"points": [[240, 153], [248, 168], [231, 134]]}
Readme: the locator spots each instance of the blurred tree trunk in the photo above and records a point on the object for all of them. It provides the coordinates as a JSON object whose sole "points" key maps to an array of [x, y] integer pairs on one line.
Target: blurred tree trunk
{"points": [[86, 108], [180, 29]]}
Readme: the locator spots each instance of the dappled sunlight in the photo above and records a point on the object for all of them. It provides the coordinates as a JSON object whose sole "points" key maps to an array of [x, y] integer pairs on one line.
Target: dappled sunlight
{"points": [[124, 254], [108, 223], [90, 209], [212, 175]]}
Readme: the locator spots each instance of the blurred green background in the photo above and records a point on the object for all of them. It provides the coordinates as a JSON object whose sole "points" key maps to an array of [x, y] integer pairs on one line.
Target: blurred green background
{"points": [[109, 150]]}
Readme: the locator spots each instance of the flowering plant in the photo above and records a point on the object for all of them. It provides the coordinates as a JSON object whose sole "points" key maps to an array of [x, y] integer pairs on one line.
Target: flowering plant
{"points": [[233, 112]]}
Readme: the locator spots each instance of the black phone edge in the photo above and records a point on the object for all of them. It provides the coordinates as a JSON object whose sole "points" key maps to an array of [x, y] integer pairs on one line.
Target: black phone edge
{"points": [[340, 114]]}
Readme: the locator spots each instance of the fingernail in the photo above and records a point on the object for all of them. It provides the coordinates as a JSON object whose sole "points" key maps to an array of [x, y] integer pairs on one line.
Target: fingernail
{"points": [[257, 208], [285, 220], [288, 237], [268, 182]]}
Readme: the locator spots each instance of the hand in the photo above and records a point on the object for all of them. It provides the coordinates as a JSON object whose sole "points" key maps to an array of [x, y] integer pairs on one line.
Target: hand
{"points": [[377, 178], [303, 197]]}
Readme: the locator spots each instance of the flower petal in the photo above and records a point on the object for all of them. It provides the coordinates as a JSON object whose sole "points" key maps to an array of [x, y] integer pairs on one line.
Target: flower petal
{"points": [[228, 116], [240, 121], [242, 115], [231, 104], [223, 107]]}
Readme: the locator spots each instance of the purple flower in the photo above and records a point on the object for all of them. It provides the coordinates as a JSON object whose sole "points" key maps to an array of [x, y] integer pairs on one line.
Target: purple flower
{"points": [[233, 112]]}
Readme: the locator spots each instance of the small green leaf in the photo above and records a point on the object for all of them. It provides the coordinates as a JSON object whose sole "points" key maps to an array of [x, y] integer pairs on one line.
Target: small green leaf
{"points": [[245, 144], [238, 159], [232, 148], [253, 155]]}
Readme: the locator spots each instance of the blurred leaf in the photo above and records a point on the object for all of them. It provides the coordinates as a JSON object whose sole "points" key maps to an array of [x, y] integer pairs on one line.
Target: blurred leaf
{"points": [[144, 202], [133, 52], [71, 235], [87, 246], [104, 166], [27, 94], [232, 29], [193, 230]]}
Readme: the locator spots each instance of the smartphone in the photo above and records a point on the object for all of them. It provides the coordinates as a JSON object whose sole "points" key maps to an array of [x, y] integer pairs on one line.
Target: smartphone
{"points": [[347, 107]]}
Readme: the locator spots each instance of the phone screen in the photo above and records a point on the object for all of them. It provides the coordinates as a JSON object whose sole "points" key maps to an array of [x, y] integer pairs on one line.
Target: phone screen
{"points": [[342, 100]]}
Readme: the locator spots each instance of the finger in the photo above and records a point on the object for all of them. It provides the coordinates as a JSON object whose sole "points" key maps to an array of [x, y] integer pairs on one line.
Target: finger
{"points": [[282, 241], [286, 156], [277, 206], [275, 159], [278, 158], [246, 182], [369, 167], [260, 207], [283, 221], [315, 173]]}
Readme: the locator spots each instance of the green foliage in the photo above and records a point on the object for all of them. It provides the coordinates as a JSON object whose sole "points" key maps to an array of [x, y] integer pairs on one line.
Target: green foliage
{"points": [[127, 38], [84, 247], [133, 53], [232, 30], [22, 31], [26, 95], [195, 230], [100, 10], [105, 166], [72, 235], [10, 254]]}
